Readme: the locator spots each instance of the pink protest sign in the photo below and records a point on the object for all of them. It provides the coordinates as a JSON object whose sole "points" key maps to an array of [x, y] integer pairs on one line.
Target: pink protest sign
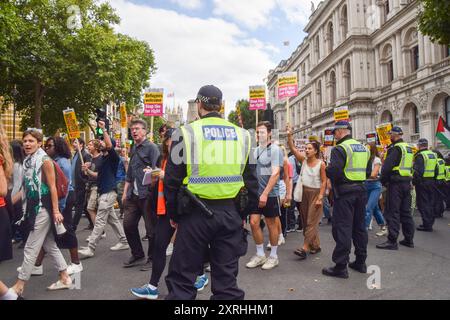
{"points": [[287, 85]]}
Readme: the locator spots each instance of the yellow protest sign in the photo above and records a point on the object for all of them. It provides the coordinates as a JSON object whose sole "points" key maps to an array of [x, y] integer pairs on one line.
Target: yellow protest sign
{"points": [[71, 123], [341, 113], [123, 115], [257, 98], [383, 133], [153, 103]]}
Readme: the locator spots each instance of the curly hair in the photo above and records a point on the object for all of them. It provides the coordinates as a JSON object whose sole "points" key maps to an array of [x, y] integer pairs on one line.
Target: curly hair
{"points": [[62, 149], [5, 154]]}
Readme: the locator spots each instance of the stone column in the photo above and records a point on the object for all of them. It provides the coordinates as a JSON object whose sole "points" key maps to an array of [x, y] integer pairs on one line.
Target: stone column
{"points": [[421, 50], [397, 52], [339, 81], [428, 51]]}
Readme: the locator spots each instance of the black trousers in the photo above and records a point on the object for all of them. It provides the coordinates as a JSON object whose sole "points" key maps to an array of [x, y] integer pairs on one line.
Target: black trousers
{"points": [[80, 207], [398, 211], [426, 198], [69, 239], [227, 240], [440, 195], [163, 234], [349, 224], [135, 208]]}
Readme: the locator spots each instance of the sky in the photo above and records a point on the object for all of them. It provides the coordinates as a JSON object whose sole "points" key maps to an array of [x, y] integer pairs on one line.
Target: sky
{"points": [[231, 44]]}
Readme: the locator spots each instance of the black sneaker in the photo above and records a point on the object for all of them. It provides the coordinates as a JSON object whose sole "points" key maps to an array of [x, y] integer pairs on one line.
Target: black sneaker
{"points": [[408, 244], [422, 228], [133, 261], [337, 273], [387, 245], [362, 268], [147, 266]]}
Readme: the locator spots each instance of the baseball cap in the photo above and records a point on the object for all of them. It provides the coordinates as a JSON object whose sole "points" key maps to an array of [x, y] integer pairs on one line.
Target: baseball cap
{"points": [[342, 124], [422, 142], [209, 95], [396, 130]]}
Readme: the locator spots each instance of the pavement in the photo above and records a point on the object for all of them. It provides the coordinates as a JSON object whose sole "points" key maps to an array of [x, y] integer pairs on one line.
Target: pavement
{"points": [[419, 273]]}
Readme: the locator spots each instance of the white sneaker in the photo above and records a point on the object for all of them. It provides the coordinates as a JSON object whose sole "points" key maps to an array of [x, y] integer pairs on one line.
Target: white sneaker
{"points": [[37, 271], [74, 268], [268, 246], [169, 249], [86, 253], [256, 261], [120, 246], [281, 241], [270, 263], [383, 232]]}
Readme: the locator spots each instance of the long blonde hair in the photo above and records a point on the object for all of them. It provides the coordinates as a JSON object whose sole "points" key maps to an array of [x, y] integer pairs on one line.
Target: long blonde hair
{"points": [[5, 154]]}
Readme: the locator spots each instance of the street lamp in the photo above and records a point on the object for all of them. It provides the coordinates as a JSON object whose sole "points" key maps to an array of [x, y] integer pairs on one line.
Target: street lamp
{"points": [[14, 94]]}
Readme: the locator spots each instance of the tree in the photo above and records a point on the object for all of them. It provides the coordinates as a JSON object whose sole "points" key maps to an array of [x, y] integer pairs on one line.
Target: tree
{"points": [[56, 66], [248, 116], [434, 20]]}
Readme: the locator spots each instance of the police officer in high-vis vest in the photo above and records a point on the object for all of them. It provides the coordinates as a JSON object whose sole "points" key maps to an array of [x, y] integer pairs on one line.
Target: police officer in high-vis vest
{"points": [[447, 181], [208, 166], [424, 180], [347, 172], [396, 176], [440, 186]]}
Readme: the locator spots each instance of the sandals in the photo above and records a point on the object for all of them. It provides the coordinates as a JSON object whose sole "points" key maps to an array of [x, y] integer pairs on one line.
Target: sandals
{"points": [[301, 253], [59, 285]]}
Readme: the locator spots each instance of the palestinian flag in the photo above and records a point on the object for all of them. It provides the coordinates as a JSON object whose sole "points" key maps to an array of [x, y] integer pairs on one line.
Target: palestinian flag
{"points": [[443, 132]]}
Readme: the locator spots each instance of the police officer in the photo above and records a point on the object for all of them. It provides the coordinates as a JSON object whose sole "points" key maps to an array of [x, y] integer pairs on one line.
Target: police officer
{"points": [[425, 163], [396, 176], [211, 158], [447, 181], [347, 172], [440, 186]]}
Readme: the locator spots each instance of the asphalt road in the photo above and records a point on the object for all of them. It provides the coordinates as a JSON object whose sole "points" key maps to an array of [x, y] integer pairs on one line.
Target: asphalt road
{"points": [[419, 273]]}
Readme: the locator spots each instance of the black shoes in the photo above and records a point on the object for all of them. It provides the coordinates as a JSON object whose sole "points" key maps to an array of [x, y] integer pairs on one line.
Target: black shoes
{"points": [[360, 267], [422, 228], [147, 266], [387, 245], [334, 272], [133, 261], [406, 243]]}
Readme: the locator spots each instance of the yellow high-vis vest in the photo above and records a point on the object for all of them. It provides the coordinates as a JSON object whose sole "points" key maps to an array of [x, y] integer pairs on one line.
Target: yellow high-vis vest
{"points": [[357, 158], [406, 163]]}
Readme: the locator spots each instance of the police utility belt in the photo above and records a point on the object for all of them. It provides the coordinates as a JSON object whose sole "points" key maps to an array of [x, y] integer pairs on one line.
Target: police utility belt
{"points": [[187, 202]]}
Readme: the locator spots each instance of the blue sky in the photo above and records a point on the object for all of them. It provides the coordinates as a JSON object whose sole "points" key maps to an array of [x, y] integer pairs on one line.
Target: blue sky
{"points": [[229, 43]]}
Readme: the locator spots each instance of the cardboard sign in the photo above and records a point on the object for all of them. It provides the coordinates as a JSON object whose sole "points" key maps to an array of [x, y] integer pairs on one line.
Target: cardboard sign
{"points": [[257, 98], [71, 123], [371, 137], [123, 115], [287, 85], [328, 138], [341, 114], [383, 133], [153, 103]]}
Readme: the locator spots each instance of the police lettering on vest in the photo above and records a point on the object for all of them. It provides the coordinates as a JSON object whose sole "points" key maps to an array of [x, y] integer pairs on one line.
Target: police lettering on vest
{"points": [[357, 157], [217, 152]]}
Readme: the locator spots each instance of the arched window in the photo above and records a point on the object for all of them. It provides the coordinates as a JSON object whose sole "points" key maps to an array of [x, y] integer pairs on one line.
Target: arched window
{"points": [[386, 117], [330, 37], [416, 120], [319, 95], [411, 49], [347, 78], [447, 109], [344, 22], [388, 64]]}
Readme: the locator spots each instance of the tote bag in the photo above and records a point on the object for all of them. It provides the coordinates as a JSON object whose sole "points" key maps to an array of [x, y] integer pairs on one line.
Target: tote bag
{"points": [[298, 191]]}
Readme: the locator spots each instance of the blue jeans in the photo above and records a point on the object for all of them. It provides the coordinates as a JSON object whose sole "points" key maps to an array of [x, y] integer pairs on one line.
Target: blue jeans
{"points": [[373, 195], [326, 208]]}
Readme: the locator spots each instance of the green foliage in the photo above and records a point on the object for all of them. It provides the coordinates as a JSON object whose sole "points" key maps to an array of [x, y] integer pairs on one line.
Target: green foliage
{"points": [[434, 20], [248, 116], [157, 123], [56, 66]]}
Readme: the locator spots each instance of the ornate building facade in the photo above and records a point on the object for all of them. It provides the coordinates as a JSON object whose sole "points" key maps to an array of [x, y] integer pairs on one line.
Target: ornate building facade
{"points": [[369, 55]]}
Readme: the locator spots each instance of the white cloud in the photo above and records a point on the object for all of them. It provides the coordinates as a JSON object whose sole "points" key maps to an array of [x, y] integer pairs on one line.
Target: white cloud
{"points": [[297, 11], [191, 52], [250, 13], [188, 4]]}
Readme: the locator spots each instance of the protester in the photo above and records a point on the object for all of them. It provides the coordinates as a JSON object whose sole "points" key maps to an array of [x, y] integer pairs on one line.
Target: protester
{"points": [[106, 177], [19, 234], [41, 212], [286, 184], [6, 171], [90, 169]]}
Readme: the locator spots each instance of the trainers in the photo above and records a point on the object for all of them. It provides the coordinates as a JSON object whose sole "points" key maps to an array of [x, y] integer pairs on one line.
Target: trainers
{"points": [[145, 292], [201, 282], [383, 232], [256, 261], [36, 271], [281, 241], [74, 268], [86, 253], [169, 249], [270, 263], [120, 246]]}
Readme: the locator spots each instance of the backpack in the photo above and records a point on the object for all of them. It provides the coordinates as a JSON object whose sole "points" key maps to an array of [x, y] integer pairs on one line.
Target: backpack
{"points": [[61, 182]]}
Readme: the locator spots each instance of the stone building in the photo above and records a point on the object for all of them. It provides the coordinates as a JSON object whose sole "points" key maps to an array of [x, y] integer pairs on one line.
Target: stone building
{"points": [[369, 55]]}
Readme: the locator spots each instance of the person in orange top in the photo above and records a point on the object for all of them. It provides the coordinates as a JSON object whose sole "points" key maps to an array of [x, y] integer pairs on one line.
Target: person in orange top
{"points": [[163, 233]]}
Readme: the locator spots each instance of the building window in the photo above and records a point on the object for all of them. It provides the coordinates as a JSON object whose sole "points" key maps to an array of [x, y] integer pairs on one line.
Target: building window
{"points": [[390, 71], [319, 95], [332, 88], [387, 64], [446, 52], [416, 120], [330, 37], [344, 23], [447, 109], [347, 78], [317, 48], [387, 8], [415, 58]]}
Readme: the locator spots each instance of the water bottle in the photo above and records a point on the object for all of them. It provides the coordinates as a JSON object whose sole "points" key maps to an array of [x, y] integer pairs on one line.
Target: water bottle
{"points": [[60, 229]]}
